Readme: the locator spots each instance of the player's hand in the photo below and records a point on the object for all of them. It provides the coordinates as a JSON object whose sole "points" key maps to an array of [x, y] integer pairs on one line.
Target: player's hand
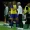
{"points": [[9, 15]]}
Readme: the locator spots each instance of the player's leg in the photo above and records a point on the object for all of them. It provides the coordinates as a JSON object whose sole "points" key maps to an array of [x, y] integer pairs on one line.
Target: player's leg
{"points": [[17, 22], [5, 19], [20, 21], [11, 17], [28, 20]]}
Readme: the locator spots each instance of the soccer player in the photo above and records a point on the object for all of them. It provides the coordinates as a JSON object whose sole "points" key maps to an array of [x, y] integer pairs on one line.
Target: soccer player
{"points": [[20, 15], [10, 7], [5, 12], [14, 14]]}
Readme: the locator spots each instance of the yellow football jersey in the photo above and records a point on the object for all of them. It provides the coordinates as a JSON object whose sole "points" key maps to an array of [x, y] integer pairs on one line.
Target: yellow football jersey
{"points": [[25, 11], [13, 11], [28, 9], [14, 6]]}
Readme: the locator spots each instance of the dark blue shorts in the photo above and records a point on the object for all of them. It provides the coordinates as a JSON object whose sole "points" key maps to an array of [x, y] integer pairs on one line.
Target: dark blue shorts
{"points": [[13, 16]]}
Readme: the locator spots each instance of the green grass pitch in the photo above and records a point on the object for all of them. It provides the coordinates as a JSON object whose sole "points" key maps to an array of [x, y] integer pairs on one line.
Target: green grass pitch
{"points": [[6, 28]]}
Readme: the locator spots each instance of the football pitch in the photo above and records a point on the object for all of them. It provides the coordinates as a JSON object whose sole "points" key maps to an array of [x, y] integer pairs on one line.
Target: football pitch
{"points": [[6, 28]]}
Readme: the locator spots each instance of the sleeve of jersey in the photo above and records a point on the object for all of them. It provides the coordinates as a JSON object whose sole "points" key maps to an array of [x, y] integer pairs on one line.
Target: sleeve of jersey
{"points": [[25, 11]]}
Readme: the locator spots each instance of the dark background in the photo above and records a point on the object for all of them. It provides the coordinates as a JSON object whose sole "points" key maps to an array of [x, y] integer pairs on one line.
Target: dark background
{"points": [[24, 2]]}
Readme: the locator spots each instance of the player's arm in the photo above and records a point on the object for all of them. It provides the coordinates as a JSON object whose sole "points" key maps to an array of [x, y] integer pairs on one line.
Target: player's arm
{"points": [[16, 10], [25, 10], [9, 10], [9, 13]]}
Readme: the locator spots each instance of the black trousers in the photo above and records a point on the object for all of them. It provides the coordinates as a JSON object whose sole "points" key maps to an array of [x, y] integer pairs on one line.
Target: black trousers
{"points": [[28, 18], [20, 21]]}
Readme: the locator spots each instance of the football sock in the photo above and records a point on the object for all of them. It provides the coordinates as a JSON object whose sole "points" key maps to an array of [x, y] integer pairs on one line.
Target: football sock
{"points": [[11, 24], [17, 23]]}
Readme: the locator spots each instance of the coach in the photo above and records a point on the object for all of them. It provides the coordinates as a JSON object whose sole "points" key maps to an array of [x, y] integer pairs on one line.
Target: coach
{"points": [[20, 15]]}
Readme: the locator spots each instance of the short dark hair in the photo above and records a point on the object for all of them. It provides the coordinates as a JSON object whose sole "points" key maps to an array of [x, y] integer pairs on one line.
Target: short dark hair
{"points": [[7, 4]]}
